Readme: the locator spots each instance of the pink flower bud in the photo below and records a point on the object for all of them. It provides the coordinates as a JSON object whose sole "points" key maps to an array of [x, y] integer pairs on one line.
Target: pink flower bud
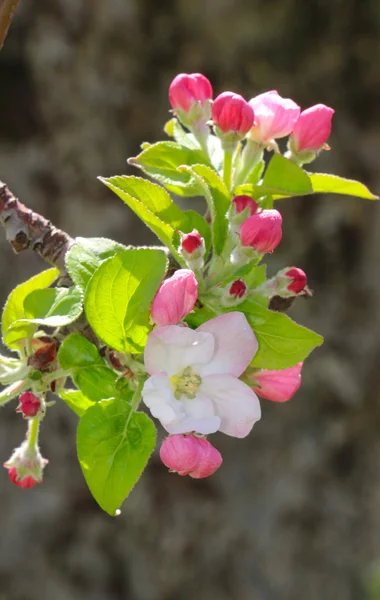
{"points": [[275, 117], [25, 482], [278, 386], [313, 128], [231, 113], [190, 242], [262, 231], [29, 404], [187, 89], [240, 203], [238, 288], [298, 280], [175, 299], [25, 466], [190, 455]]}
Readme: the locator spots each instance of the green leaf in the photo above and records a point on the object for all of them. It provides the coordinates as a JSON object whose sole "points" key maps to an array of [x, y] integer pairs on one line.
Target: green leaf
{"points": [[332, 184], [85, 256], [287, 177], [77, 401], [113, 450], [14, 307], [53, 307], [152, 204], [90, 373], [161, 161], [119, 295], [218, 201], [282, 342], [174, 129]]}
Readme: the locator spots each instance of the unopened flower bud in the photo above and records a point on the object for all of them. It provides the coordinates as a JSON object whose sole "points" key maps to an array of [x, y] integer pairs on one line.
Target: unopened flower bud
{"points": [[279, 385], [241, 203], [190, 96], [312, 130], [29, 405], [232, 115], [189, 455], [192, 249], [175, 299], [262, 231], [25, 466], [275, 117], [238, 288], [298, 280]]}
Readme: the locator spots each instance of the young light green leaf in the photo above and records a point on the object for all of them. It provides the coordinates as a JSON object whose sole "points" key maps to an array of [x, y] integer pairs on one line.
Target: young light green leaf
{"points": [[152, 204], [76, 400], [282, 342], [161, 161], [113, 450], [332, 184], [174, 129], [218, 201], [119, 295], [86, 255], [14, 306], [53, 307], [286, 177], [90, 373]]}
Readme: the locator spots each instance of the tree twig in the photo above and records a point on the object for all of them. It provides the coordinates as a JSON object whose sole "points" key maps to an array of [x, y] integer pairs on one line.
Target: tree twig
{"points": [[26, 229], [7, 11]]}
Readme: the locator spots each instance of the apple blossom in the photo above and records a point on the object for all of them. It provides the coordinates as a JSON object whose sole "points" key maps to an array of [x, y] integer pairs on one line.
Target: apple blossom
{"points": [[275, 117], [298, 280], [190, 455], [187, 89], [279, 385], [175, 298], [194, 383]]}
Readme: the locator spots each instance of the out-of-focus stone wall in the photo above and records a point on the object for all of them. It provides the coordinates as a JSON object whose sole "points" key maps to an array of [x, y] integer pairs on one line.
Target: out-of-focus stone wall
{"points": [[294, 512]]}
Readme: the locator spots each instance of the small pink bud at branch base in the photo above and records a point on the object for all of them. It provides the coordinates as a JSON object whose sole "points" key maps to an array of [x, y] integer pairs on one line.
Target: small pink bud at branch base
{"points": [[312, 129], [175, 299], [231, 113], [279, 385], [29, 404], [187, 89], [262, 231], [275, 117], [186, 454]]}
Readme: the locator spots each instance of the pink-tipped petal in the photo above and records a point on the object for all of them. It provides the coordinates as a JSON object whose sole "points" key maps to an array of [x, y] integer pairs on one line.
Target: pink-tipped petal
{"points": [[235, 345], [313, 128], [275, 116]]}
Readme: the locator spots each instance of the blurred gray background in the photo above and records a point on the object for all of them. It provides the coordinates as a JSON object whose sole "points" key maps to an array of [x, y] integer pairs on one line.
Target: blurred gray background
{"points": [[294, 513]]}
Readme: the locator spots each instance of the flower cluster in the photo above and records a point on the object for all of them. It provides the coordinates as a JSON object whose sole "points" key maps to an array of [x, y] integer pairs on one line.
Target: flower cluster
{"points": [[195, 329]]}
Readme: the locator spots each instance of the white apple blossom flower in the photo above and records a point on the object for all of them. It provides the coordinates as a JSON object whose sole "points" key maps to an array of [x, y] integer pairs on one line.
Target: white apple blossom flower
{"points": [[194, 383]]}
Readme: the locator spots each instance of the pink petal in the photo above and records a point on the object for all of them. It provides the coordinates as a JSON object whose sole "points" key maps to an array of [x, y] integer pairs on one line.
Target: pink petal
{"points": [[235, 403], [235, 345], [172, 348], [279, 385]]}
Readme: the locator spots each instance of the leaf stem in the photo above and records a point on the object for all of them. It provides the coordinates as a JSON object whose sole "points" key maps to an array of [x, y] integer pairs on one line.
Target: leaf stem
{"points": [[227, 169]]}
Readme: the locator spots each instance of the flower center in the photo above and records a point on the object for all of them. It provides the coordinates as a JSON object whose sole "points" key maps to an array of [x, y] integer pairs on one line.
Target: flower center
{"points": [[187, 384]]}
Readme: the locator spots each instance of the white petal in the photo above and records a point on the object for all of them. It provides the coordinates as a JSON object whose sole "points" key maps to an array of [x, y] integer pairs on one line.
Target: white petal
{"points": [[235, 344], [235, 403], [171, 349], [159, 399]]}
